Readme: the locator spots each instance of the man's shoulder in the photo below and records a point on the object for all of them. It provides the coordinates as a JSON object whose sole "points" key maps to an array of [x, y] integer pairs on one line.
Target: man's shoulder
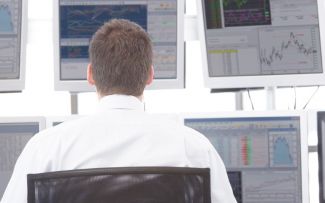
{"points": [[192, 135], [57, 131], [176, 124], [197, 146]]}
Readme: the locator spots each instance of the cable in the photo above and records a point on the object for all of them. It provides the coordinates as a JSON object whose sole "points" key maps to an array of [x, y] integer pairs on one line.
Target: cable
{"points": [[250, 99], [311, 97], [295, 104]]}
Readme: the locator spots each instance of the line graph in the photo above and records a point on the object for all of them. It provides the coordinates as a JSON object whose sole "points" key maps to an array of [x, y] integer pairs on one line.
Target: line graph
{"points": [[278, 54], [83, 21], [246, 12], [292, 50], [271, 186]]}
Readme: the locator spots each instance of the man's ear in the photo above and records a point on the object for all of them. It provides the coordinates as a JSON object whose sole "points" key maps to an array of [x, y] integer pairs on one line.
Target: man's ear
{"points": [[90, 77], [151, 76]]}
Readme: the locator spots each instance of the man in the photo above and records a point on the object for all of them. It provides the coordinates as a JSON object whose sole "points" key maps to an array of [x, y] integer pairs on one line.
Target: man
{"points": [[120, 133]]}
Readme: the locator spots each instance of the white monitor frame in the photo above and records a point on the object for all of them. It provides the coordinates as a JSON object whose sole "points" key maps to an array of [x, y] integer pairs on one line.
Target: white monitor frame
{"points": [[318, 118], [261, 80], [313, 141], [303, 135], [17, 85], [83, 86]]}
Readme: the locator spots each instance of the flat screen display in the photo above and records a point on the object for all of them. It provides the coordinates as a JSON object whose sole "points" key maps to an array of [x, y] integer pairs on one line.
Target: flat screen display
{"points": [[10, 39], [262, 155], [80, 19], [262, 37]]}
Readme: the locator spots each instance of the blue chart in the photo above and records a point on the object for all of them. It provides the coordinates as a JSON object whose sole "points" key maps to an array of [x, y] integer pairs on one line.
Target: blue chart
{"points": [[283, 150], [83, 21], [6, 24]]}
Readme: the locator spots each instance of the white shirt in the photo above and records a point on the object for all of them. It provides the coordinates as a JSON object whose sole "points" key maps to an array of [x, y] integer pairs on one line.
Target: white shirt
{"points": [[119, 134]]}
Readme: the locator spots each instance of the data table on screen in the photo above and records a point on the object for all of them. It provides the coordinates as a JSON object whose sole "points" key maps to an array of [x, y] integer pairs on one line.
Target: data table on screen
{"points": [[262, 155]]}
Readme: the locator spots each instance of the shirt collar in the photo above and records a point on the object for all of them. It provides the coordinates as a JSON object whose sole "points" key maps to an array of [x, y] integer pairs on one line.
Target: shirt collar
{"points": [[123, 102]]}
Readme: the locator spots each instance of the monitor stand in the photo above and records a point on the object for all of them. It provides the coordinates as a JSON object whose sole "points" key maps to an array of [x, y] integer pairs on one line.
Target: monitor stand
{"points": [[239, 101], [74, 102]]}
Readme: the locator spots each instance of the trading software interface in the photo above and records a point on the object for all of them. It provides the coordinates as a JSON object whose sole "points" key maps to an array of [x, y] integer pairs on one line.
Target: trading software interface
{"points": [[10, 35], [79, 20], [13, 138], [262, 156], [262, 37]]}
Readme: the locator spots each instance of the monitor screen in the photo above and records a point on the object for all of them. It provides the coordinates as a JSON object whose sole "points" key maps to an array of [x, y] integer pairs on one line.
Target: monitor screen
{"points": [[56, 123], [262, 155], [321, 154], [11, 16], [262, 38], [52, 121], [80, 19], [13, 138]]}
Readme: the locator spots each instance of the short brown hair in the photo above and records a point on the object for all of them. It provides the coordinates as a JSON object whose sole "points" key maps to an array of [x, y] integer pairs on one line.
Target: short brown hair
{"points": [[121, 57]]}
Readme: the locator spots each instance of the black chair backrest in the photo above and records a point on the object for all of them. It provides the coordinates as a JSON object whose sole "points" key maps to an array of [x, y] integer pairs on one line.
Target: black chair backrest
{"points": [[121, 185]]}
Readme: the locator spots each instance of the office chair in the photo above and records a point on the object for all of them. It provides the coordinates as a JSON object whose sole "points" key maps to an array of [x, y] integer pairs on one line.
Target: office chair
{"points": [[121, 185]]}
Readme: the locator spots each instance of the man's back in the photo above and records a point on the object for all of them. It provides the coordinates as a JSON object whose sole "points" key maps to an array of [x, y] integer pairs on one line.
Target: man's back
{"points": [[119, 134]]}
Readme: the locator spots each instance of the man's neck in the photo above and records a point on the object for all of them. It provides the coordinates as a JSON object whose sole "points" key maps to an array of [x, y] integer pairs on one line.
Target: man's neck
{"points": [[101, 96]]}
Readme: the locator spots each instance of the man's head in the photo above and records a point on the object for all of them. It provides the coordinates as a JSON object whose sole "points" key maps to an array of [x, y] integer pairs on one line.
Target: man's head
{"points": [[120, 59]]}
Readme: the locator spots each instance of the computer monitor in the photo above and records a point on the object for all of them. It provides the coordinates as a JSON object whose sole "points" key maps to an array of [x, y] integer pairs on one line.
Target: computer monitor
{"points": [[321, 154], [14, 134], [53, 121], [265, 154], [13, 33], [77, 21], [259, 43]]}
